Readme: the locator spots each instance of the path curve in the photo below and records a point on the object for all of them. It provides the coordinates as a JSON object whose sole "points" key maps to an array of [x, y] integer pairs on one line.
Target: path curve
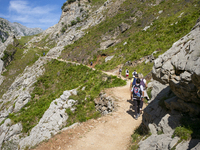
{"points": [[110, 132]]}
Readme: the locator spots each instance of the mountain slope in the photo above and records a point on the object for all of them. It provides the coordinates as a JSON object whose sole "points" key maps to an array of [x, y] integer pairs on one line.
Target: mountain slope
{"points": [[7, 28], [40, 94]]}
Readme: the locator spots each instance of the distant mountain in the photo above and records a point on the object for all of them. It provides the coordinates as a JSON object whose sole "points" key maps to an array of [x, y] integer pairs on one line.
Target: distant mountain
{"points": [[21, 30], [7, 28]]}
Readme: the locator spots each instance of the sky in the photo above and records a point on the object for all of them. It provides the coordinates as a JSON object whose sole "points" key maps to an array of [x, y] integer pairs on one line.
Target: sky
{"points": [[32, 13]]}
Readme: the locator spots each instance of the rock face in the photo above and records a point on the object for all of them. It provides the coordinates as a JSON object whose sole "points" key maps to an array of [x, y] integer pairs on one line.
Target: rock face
{"points": [[176, 87], [104, 104], [180, 68], [54, 119]]}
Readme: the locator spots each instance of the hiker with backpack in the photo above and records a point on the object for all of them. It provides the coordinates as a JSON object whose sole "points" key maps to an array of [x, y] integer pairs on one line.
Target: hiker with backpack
{"points": [[127, 74], [138, 97], [120, 72], [91, 64], [133, 82], [134, 73], [143, 82]]}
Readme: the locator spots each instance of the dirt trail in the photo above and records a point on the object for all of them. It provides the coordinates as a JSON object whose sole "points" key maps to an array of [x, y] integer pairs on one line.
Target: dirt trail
{"points": [[110, 132]]}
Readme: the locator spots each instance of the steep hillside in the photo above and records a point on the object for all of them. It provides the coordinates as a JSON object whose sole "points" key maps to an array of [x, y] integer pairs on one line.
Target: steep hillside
{"points": [[46, 85], [133, 30]]}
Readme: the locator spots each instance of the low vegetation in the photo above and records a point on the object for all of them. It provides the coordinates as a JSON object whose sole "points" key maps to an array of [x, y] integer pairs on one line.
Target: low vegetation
{"points": [[59, 77], [189, 128], [140, 133]]}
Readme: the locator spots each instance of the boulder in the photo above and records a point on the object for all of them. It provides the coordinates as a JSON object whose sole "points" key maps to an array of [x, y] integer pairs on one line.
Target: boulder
{"points": [[104, 104], [154, 142], [106, 44], [108, 58], [123, 27]]}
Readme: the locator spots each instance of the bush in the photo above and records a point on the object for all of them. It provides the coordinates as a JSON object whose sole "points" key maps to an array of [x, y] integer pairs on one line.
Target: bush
{"points": [[183, 133], [63, 6], [73, 22], [71, 1]]}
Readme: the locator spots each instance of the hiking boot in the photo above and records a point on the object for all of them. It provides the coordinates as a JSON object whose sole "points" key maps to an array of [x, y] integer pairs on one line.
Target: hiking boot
{"points": [[136, 117], [140, 111]]}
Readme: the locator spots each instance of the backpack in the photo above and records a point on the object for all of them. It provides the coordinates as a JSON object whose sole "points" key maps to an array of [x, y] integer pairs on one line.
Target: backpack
{"points": [[142, 83], [134, 82], [137, 93]]}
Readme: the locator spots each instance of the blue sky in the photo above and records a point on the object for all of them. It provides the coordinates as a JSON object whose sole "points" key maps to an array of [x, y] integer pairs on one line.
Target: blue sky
{"points": [[32, 13]]}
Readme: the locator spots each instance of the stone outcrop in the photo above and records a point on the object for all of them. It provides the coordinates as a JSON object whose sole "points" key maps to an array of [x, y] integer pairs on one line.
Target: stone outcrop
{"points": [[53, 120], [105, 104], [176, 75], [123, 27], [180, 68]]}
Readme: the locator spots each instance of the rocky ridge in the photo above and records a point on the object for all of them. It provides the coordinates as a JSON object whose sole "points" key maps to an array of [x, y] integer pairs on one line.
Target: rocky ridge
{"points": [[7, 28], [176, 75]]}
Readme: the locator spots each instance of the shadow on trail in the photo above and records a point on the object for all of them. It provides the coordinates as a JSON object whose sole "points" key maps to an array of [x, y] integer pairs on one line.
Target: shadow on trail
{"points": [[131, 109]]}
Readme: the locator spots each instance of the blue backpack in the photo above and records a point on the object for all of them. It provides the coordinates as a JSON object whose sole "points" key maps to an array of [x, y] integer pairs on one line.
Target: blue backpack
{"points": [[134, 82], [137, 93]]}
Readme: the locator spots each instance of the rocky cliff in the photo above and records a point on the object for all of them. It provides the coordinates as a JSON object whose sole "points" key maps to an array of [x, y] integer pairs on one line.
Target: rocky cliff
{"points": [[176, 75]]}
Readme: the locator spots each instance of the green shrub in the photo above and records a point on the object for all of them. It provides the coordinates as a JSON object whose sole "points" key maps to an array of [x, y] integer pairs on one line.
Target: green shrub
{"points": [[139, 134], [63, 29], [73, 22], [183, 133], [71, 1], [63, 6]]}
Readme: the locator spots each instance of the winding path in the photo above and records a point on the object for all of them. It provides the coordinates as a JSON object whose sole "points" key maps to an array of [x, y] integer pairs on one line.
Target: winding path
{"points": [[110, 132]]}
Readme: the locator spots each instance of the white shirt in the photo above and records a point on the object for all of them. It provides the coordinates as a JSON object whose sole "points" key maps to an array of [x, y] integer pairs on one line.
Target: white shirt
{"points": [[127, 72], [141, 88], [134, 72]]}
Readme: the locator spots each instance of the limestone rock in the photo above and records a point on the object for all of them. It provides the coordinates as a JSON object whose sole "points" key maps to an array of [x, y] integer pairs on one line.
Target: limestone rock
{"points": [[1, 66], [180, 68], [53, 120], [155, 142], [108, 58], [106, 44], [104, 104], [5, 44], [185, 145], [123, 27]]}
